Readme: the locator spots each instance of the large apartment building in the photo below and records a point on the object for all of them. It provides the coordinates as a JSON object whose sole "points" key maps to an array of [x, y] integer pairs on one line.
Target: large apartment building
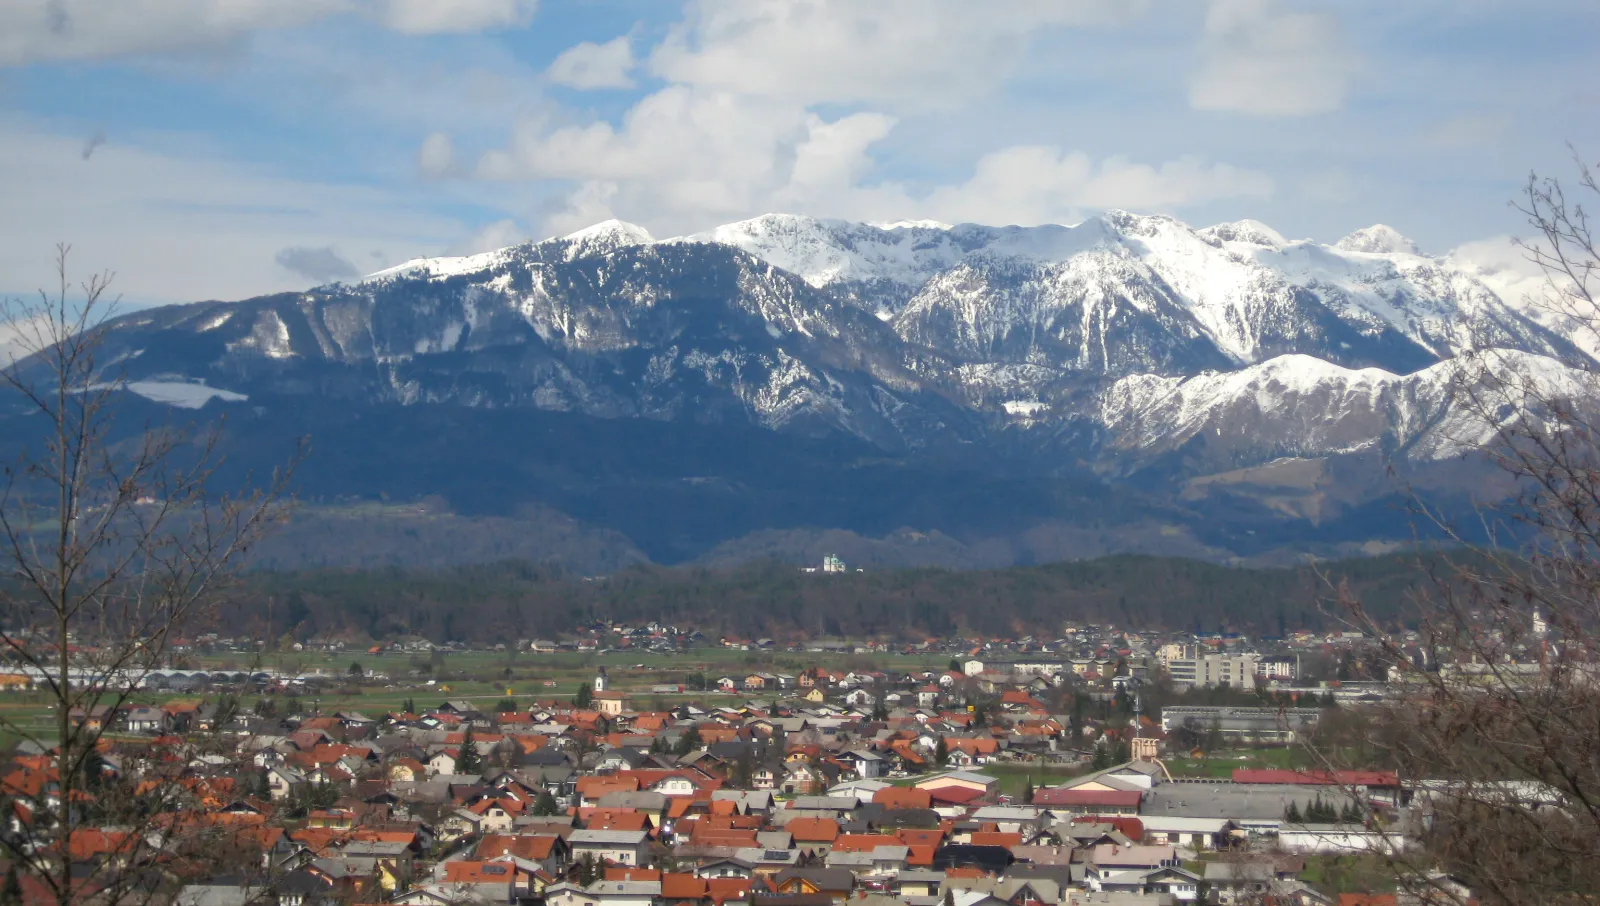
{"points": [[1236, 670]]}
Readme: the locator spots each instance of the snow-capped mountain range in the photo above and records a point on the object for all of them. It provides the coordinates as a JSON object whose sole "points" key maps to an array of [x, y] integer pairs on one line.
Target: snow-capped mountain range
{"points": [[1149, 331], [1126, 345]]}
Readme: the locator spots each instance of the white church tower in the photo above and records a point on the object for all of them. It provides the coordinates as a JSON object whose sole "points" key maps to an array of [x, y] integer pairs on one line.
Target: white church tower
{"points": [[602, 683]]}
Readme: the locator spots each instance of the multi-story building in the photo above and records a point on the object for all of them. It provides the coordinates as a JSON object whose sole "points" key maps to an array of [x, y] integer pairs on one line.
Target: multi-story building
{"points": [[1279, 667], [1235, 670], [1234, 723]]}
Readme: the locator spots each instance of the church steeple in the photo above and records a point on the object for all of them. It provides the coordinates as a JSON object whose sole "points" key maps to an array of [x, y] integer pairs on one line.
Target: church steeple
{"points": [[602, 683]]}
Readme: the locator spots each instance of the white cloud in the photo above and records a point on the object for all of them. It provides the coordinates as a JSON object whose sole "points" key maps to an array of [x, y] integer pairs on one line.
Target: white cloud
{"points": [[437, 156], [1551, 299], [184, 226], [17, 339], [1036, 184], [834, 154], [911, 53], [1469, 130], [319, 265], [31, 30], [751, 120], [492, 236], [1507, 268], [741, 128], [685, 159], [1259, 58], [430, 17], [589, 65]]}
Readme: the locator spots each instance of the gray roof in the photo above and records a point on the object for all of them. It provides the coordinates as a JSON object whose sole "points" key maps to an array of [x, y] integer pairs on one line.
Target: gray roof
{"points": [[1121, 898], [217, 895], [1238, 801], [774, 839], [756, 855], [626, 888], [603, 837], [825, 803], [750, 799], [828, 879], [374, 848], [1007, 813], [643, 800]]}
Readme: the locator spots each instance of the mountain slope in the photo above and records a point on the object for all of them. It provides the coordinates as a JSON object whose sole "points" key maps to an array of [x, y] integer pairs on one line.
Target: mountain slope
{"points": [[1130, 354]]}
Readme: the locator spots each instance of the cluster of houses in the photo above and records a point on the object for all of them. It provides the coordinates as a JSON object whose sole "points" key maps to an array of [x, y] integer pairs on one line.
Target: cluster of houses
{"points": [[804, 804]]}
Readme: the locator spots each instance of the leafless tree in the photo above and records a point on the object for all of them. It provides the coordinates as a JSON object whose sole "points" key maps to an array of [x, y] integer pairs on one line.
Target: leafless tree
{"points": [[1499, 724], [113, 544]]}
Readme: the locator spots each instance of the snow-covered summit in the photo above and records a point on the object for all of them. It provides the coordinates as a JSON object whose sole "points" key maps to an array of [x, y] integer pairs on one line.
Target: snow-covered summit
{"points": [[1378, 239], [1239, 289], [612, 230], [605, 236], [829, 251], [1247, 232], [437, 268]]}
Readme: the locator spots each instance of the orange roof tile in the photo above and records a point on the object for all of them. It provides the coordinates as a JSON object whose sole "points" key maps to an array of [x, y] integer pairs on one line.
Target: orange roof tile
{"points": [[859, 843], [463, 872], [813, 830]]}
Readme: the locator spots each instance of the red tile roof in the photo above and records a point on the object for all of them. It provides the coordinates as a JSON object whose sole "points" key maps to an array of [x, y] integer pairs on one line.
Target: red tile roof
{"points": [[1088, 798], [813, 830], [898, 797], [1316, 778]]}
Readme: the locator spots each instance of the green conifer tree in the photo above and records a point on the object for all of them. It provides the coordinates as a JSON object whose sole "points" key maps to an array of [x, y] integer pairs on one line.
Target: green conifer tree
{"points": [[468, 760]]}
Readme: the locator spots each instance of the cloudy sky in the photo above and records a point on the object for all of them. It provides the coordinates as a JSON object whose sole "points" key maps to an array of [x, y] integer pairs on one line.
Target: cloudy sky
{"points": [[225, 148]]}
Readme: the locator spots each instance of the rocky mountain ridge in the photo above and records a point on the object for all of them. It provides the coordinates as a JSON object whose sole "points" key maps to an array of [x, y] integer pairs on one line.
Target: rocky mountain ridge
{"points": [[1126, 348]]}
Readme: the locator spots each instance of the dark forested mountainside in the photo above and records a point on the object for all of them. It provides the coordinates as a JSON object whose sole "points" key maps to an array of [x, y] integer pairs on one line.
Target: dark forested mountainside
{"points": [[505, 601], [970, 396]]}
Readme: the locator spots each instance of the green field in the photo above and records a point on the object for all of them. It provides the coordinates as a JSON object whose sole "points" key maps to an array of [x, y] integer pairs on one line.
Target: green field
{"points": [[1014, 777], [484, 677], [1223, 763]]}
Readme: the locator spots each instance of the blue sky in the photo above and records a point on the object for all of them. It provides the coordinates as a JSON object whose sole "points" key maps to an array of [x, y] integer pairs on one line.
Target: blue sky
{"points": [[226, 148]]}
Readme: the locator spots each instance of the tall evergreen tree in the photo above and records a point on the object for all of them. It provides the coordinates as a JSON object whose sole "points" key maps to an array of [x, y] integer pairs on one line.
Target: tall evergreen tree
{"points": [[469, 761], [545, 804], [688, 741], [11, 892]]}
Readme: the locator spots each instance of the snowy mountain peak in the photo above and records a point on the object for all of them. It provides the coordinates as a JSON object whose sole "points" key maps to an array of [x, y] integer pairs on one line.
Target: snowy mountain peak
{"points": [[1247, 232], [1378, 239], [603, 238], [439, 268], [911, 225], [828, 251], [612, 230], [1128, 223]]}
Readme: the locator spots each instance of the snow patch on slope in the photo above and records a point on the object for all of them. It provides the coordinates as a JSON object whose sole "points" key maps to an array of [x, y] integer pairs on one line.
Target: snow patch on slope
{"points": [[182, 394]]}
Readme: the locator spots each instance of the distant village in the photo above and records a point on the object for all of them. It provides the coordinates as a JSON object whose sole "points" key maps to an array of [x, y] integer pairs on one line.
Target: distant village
{"points": [[810, 788]]}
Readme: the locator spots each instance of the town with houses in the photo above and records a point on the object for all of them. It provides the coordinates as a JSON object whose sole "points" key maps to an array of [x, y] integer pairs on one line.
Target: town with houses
{"points": [[824, 786]]}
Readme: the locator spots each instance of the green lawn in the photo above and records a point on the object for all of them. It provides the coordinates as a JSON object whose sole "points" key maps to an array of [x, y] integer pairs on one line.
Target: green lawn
{"points": [[1364, 873], [1223, 763], [1014, 777]]}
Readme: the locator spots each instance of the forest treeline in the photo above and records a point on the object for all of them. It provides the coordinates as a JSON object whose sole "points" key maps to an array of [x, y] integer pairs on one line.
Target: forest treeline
{"points": [[510, 600]]}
